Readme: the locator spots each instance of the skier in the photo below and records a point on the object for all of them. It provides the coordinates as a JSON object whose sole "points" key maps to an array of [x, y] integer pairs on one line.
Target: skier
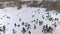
{"points": [[56, 19], [36, 21], [14, 32], [15, 24], [50, 19], [43, 17], [23, 30], [46, 26], [40, 22], [18, 25], [34, 26], [4, 28], [44, 29], [19, 19], [55, 24], [29, 27], [56, 13], [50, 30], [29, 32], [22, 23], [33, 15]]}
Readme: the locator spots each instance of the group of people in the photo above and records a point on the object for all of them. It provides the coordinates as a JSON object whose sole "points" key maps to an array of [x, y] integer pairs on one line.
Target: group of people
{"points": [[24, 30], [28, 26], [47, 29], [3, 29]]}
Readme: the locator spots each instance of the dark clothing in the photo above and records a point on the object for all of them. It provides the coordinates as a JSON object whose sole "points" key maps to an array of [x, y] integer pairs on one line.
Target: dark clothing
{"points": [[29, 32], [50, 29], [22, 23], [40, 22], [23, 30], [18, 25], [34, 26], [47, 29], [46, 26], [4, 28], [14, 31], [15, 24]]}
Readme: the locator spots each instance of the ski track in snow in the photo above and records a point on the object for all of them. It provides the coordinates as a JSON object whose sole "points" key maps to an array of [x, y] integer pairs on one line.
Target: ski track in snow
{"points": [[11, 15]]}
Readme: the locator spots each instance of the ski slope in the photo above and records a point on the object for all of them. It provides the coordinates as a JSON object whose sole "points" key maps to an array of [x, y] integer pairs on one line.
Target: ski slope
{"points": [[11, 15]]}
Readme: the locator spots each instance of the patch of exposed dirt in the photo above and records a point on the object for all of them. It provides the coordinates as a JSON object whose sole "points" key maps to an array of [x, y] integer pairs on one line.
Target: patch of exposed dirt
{"points": [[51, 5], [54, 5]]}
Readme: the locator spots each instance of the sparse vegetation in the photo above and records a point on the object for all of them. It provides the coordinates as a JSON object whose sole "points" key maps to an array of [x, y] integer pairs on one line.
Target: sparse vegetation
{"points": [[54, 5], [20, 5], [51, 5], [34, 4], [47, 4]]}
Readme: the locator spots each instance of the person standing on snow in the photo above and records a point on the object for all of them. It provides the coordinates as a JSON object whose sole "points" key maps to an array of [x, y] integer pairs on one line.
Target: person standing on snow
{"points": [[22, 23], [44, 29], [46, 26], [34, 26], [50, 30], [36, 21], [4, 28], [29, 32], [23, 30], [40, 22], [14, 32], [15, 24]]}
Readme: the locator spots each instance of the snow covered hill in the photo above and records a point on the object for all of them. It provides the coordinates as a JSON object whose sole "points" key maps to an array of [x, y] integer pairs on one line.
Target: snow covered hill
{"points": [[13, 18]]}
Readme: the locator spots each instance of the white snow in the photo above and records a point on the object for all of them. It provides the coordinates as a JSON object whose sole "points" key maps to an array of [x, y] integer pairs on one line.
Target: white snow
{"points": [[25, 14]]}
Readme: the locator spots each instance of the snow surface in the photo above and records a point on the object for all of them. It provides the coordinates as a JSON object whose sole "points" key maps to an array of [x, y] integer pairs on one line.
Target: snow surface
{"points": [[11, 15]]}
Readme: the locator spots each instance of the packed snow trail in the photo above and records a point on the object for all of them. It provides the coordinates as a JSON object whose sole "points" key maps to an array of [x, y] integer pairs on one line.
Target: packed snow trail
{"points": [[11, 15]]}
